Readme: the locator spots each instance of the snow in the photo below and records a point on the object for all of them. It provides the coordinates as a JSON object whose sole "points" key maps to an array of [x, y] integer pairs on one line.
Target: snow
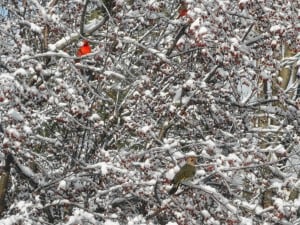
{"points": [[203, 30], [234, 157], [62, 185], [185, 100], [210, 144], [170, 144], [21, 71], [106, 167], [171, 173], [190, 84], [178, 154], [12, 220], [172, 223], [80, 216], [148, 93], [98, 140], [13, 132], [14, 114], [35, 28], [62, 42], [191, 154], [94, 117], [177, 97], [246, 221], [52, 47], [145, 129], [276, 28], [138, 220], [119, 2], [280, 206], [114, 74], [110, 222], [172, 108], [25, 49], [205, 214], [26, 170], [27, 129]]}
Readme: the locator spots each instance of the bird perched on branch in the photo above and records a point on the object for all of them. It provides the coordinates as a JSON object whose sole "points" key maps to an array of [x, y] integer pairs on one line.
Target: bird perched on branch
{"points": [[84, 49], [185, 172], [182, 9]]}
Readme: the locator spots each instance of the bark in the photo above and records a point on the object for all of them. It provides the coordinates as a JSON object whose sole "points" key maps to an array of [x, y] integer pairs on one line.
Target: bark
{"points": [[4, 178]]}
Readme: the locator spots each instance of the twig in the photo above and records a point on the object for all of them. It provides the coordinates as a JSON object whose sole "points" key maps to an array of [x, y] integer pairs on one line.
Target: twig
{"points": [[257, 39], [83, 17], [247, 32], [178, 36], [209, 75]]}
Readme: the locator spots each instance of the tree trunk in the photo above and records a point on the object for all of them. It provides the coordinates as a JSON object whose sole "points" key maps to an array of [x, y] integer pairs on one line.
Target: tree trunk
{"points": [[3, 187]]}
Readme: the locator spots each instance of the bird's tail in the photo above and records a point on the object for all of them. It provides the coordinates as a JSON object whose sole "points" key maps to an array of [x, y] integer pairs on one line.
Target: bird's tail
{"points": [[173, 189]]}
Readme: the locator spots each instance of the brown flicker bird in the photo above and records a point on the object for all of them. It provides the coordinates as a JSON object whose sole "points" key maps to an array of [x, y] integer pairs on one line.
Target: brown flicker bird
{"points": [[186, 172]]}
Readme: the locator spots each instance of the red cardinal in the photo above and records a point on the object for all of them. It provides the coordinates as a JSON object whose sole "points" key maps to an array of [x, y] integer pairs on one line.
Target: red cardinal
{"points": [[84, 49], [182, 12], [182, 9]]}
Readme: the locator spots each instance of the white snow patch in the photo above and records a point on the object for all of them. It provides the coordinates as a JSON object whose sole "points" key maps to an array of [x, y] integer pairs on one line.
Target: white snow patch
{"points": [[178, 155], [191, 154], [189, 83], [171, 173], [195, 25], [234, 40], [172, 223], [27, 129], [13, 132], [172, 108], [276, 28], [21, 71], [62, 185], [13, 113], [94, 117], [185, 100], [280, 149], [105, 167], [80, 216], [35, 28], [138, 220], [169, 144], [146, 164], [119, 2], [233, 157], [25, 49], [148, 93], [280, 204], [201, 172], [52, 47], [203, 30], [205, 214], [297, 202], [110, 222], [26, 170], [246, 221], [14, 219], [114, 74], [210, 144], [177, 97], [145, 129]]}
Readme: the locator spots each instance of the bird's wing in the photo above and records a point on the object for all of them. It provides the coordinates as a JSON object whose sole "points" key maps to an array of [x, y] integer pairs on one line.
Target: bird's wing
{"points": [[185, 172]]}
